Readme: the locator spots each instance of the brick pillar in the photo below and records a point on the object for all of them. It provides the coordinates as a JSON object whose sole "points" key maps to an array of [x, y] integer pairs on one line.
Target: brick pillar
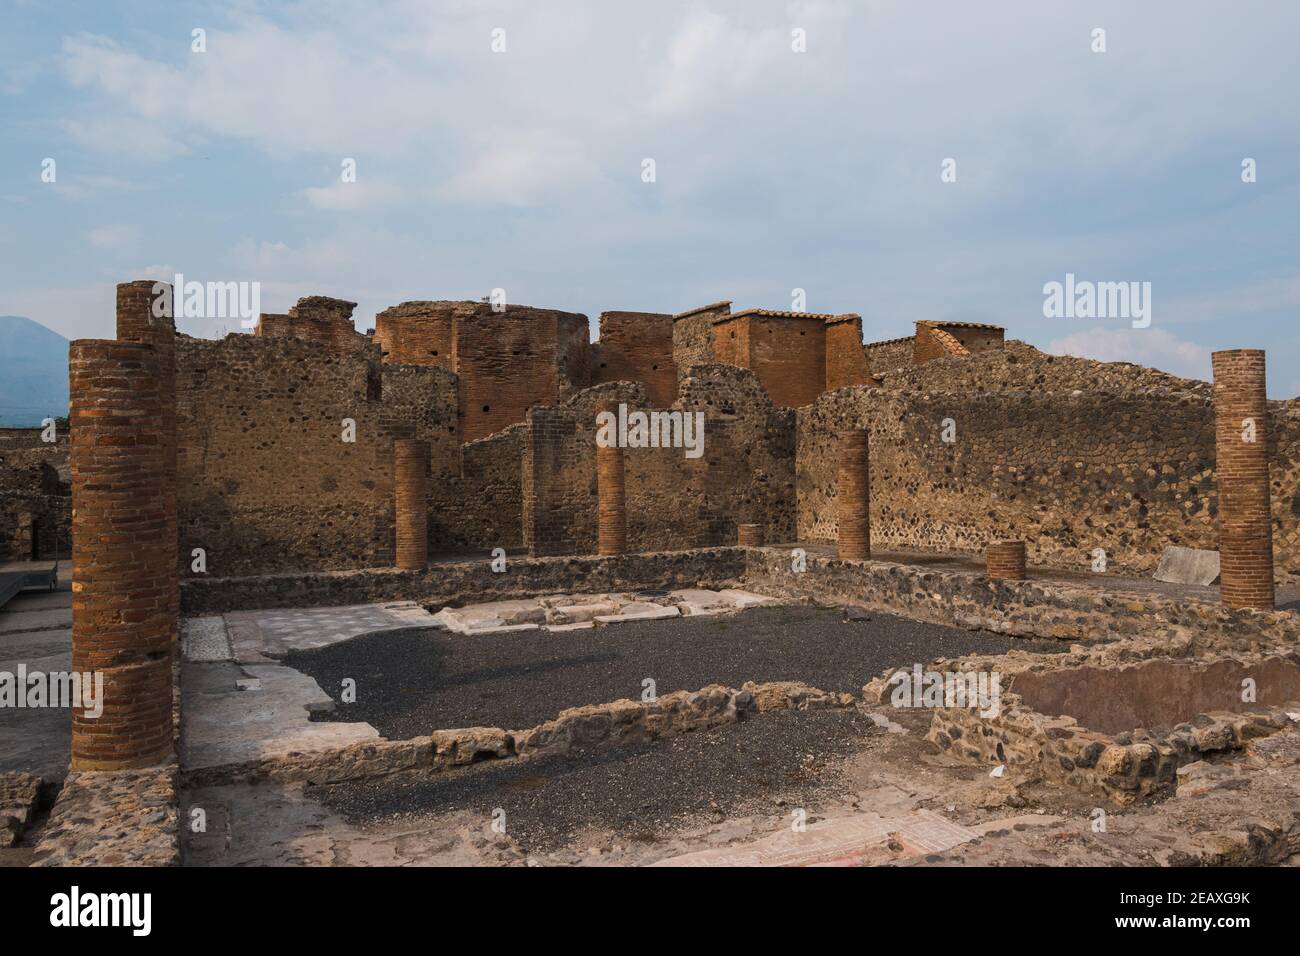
{"points": [[749, 535], [1006, 560], [611, 497], [1241, 473], [136, 322], [854, 496], [123, 555], [410, 481]]}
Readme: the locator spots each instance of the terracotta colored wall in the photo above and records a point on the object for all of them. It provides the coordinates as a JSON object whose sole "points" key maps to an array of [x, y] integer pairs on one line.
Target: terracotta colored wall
{"points": [[789, 357], [417, 333], [846, 359], [507, 362], [638, 347]]}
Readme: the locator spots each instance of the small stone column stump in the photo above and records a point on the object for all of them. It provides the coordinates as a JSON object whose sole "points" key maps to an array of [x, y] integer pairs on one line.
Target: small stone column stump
{"points": [[1006, 561]]}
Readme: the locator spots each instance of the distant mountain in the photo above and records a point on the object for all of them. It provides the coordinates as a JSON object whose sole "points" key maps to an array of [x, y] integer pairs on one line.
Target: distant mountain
{"points": [[33, 372]]}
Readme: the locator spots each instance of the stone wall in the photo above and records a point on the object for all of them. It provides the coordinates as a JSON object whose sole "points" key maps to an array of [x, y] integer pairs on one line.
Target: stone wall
{"points": [[1067, 474], [890, 354], [744, 475], [693, 336], [35, 499], [266, 481], [468, 582]]}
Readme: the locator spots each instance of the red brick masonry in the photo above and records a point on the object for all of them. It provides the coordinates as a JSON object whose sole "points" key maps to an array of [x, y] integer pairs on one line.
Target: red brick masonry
{"points": [[1241, 473], [123, 572], [410, 483], [854, 496], [611, 498], [1006, 560]]}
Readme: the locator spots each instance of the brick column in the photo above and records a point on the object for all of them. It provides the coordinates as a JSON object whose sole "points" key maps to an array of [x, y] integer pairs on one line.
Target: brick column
{"points": [[611, 497], [1006, 560], [410, 482], [136, 322], [749, 535], [123, 555], [1241, 473], [854, 496]]}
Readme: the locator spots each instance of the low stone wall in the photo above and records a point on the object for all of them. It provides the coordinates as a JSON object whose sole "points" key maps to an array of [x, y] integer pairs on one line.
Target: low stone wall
{"points": [[113, 818], [468, 582], [592, 727], [1142, 623]]}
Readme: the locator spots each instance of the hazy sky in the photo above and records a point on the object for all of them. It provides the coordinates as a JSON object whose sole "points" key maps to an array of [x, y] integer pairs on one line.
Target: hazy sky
{"points": [[774, 169]]}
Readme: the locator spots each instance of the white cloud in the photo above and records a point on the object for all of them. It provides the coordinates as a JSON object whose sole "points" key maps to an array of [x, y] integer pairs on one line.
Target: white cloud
{"points": [[1153, 347], [520, 168], [113, 237], [352, 196]]}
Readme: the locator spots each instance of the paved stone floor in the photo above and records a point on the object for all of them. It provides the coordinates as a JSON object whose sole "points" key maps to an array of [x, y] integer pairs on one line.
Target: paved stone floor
{"points": [[240, 704], [36, 630]]}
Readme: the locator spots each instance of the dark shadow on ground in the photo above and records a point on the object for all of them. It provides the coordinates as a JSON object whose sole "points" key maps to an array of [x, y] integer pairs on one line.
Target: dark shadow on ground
{"points": [[410, 683]]}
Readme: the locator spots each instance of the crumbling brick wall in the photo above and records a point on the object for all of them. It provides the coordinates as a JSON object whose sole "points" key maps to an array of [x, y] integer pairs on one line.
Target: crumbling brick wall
{"points": [[935, 340], [637, 347], [315, 318]]}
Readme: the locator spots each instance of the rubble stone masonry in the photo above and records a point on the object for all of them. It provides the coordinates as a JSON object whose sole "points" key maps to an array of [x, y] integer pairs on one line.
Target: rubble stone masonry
{"points": [[1241, 474], [123, 570]]}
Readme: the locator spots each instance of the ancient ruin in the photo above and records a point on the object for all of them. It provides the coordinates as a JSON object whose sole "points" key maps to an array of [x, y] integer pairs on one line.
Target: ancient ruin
{"points": [[309, 558]]}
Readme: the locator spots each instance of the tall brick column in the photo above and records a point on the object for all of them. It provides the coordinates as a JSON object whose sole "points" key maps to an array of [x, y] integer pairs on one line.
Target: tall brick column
{"points": [[1241, 473], [611, 498], [137, 323], [854, 496], [1006, 560], [123, 555], [410, 484]]}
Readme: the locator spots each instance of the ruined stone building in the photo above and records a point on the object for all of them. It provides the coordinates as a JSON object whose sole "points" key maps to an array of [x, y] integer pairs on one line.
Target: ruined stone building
{"points": [[973, 438], [312, 466], [35, 497]]}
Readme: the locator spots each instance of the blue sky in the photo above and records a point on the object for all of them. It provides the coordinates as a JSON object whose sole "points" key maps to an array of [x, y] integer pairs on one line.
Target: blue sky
{"points": [[775, 170]]}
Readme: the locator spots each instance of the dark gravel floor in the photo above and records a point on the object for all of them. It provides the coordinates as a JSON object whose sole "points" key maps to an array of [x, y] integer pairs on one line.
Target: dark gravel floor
{"points": [[410, 683], [637, 792]]}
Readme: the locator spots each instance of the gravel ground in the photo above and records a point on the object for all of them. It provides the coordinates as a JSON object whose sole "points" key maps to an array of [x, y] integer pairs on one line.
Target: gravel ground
{"points": [[410, 683], [637, 792]]}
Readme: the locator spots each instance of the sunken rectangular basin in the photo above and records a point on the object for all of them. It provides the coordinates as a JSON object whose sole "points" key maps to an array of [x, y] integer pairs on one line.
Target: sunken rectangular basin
{"points": [[1157, 695]]}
